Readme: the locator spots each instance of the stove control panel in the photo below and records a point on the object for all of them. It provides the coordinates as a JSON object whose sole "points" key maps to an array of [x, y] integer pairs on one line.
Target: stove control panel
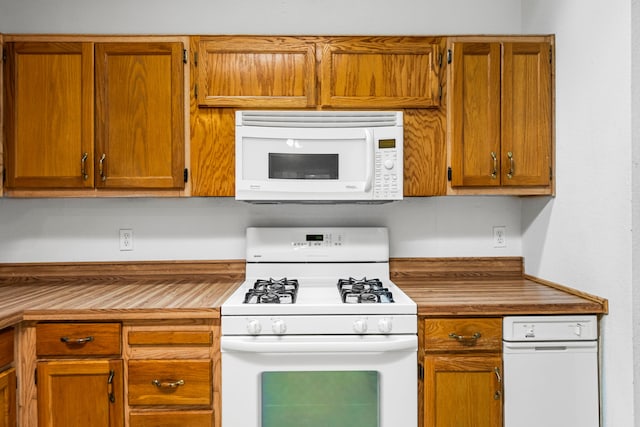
{"points": [[314, 244], [319, 325], [318, 240]]}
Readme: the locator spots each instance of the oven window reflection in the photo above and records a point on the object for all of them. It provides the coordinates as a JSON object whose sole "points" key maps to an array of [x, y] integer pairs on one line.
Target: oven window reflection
{"points": [[320, 399]]}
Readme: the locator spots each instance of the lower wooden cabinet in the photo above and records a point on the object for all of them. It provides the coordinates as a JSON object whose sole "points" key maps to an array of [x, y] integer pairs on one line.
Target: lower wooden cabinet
{"points": [[80, 393], [461, 372], [462, 391], [8, 398], [79, 374], [172, 378]]}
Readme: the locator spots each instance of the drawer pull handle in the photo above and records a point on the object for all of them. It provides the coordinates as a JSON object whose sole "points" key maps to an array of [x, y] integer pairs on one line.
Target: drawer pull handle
{"points": [[78, 341], [465, 340], [167, 384]]}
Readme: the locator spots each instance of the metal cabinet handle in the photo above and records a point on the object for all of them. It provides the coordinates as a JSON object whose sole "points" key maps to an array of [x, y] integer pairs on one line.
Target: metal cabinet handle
{"points": [[68, 340], [512, 165], [111, 394], [83, 166], [494, 174], [466, 340], [167, 384], [101, 163], [496, 370]]}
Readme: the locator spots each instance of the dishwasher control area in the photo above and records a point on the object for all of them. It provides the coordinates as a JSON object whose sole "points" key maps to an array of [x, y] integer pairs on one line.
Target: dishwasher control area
{"points": [[551, 371]]}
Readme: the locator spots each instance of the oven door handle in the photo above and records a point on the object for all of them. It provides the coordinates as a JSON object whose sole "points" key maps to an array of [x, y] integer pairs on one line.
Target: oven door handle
{"points": [[277, 345]]}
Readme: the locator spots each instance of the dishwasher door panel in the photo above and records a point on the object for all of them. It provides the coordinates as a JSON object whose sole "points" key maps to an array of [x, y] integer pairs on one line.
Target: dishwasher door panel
{"points": [[551, 384]]}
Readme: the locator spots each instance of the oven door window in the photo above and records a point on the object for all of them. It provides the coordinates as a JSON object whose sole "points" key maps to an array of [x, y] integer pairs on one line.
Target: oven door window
{"points": [[320, 399], [303, 166]]}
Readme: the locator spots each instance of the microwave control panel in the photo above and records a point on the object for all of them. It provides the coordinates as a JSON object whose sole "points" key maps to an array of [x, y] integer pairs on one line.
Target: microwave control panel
{"points": [[388, 178]]}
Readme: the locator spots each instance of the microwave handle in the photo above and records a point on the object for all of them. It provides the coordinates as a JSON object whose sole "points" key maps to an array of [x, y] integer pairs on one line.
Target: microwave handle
{"points": [[370, 154]]}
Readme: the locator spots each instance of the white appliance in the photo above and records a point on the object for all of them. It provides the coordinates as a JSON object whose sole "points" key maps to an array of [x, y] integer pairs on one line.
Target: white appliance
{"points": [[319, 156], [318, 332], [551, 371]]}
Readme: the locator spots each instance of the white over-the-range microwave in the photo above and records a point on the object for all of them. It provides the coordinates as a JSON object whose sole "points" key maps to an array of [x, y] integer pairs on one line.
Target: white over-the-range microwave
{"points": [[319, 156]]}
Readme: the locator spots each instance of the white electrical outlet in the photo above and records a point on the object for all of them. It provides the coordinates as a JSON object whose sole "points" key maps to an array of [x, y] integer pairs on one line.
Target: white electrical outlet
{"points": [[499, 236], [126, 239]]}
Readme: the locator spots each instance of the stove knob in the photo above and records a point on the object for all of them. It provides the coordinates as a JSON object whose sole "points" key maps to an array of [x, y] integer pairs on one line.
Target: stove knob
{"points": [[385, 325], [279, 327], [360, 326], [254, 327]]}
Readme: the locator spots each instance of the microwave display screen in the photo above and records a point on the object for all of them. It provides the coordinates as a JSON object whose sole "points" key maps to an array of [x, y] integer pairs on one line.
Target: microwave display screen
{"points": [[315, 237], [387, 143], [303, 166]]}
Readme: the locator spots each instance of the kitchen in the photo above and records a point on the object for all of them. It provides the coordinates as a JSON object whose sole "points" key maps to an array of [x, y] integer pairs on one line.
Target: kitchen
{"points": [[562, 239]]}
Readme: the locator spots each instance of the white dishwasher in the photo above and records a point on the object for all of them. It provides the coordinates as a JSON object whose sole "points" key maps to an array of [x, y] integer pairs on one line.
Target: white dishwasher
{"points": [[551, 371]]}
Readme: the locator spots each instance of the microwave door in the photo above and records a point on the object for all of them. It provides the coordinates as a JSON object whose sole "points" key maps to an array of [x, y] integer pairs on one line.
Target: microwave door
{"points": [[293, 163]]}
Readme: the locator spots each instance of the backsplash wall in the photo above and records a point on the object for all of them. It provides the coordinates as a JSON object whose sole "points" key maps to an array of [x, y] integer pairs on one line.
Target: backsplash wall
{"points": [[54, 230]]}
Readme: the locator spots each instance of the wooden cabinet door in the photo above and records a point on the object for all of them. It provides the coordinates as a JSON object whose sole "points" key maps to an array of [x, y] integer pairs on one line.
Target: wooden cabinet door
{"points": [[380, 72], [139, 115], [49, 115], [277, 72], [462, 390], [80, 393], [526, 114], [8, 398], [475, 114]]}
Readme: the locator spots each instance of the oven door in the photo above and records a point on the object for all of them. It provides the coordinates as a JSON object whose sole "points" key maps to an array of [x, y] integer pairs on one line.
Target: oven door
{"points": [[275, 163], [319, 381]]}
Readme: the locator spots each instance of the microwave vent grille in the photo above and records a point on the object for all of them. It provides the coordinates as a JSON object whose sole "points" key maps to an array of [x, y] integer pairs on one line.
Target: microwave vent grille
{"points": [[319, 119]]}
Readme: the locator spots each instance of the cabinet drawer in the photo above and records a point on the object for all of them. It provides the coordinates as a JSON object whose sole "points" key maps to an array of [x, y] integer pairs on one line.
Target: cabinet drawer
{"points": [[171, 419], [468, 334], [78, 339], [187, 338], [6, 346], [170, 382]]}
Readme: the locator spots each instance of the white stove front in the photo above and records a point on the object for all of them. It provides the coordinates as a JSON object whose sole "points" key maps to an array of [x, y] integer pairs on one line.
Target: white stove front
{"points": [[318, 359]]}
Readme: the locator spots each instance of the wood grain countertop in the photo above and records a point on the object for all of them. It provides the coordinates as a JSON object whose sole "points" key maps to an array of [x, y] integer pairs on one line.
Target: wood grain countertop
{"points": [[197, 289], [486, 287], [116, 291]]}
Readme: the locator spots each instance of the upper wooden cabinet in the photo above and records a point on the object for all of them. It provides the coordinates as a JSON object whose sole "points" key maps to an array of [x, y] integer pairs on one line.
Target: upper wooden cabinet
{"points": [[274, 72], [49, 115], [380, 72], [59, 96], [284, 72], [500, 114], [139, 115]]}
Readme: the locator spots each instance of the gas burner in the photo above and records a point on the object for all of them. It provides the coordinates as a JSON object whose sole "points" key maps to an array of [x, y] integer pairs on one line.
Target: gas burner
{"points": [[272, 291], [364, 291]]}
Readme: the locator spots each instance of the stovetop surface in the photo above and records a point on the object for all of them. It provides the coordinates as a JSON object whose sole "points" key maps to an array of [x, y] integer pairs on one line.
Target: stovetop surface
{"points": [[318, 296], [317, 258]]}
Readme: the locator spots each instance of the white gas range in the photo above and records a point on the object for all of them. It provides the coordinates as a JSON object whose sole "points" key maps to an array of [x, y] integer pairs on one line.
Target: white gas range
{"points": [[318, 330]]}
